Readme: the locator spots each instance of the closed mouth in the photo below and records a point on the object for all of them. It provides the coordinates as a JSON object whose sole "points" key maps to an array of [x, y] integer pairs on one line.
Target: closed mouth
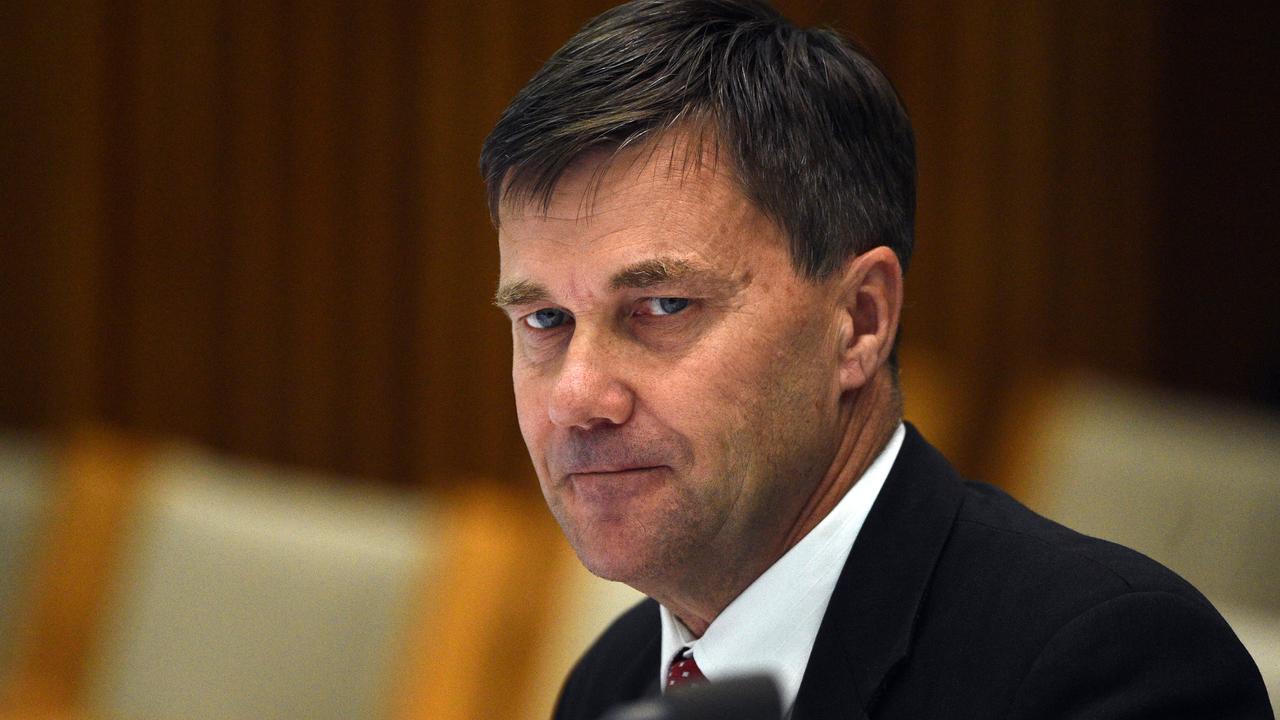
{"points": [[606, 488], [614, 471]]}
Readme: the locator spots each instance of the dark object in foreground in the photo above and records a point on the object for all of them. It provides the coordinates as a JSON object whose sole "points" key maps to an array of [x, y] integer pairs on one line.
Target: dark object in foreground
{"points": [[754, 697]]}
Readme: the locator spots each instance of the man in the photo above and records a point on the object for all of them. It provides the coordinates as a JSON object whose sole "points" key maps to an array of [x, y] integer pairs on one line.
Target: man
{"points": [[704, 216]]}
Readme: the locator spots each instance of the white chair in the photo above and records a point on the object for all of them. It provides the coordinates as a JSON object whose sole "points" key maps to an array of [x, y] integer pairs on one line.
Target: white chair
{"points": [[1192, 483], [176, 583], [249, 592]]}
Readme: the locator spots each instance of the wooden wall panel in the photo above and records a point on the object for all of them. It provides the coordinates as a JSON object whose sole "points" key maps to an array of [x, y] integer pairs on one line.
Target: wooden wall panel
{"points": [[73, 271], [116, 176], [315, 94], [450, 312], [1028, 138], [260, 225], [372, 235], [1102, 227], [1032, 121], [1216, 166], [172, 355], [25, 349], [252, 389]]}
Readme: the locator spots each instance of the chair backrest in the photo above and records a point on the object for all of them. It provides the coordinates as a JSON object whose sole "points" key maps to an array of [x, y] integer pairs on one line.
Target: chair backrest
{"points": [[1192, 483], [173, 582], [26, 497], [249, 592]]}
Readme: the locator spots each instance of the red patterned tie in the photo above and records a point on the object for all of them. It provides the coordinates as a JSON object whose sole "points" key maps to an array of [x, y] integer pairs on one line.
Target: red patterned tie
{"points": [[684, 671]]}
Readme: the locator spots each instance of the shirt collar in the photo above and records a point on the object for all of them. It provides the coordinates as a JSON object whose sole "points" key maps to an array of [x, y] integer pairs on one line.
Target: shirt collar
{"points": [[771, 627]]}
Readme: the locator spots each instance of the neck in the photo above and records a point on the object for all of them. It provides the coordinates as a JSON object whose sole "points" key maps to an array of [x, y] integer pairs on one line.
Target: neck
{"points": [[868, 420]]}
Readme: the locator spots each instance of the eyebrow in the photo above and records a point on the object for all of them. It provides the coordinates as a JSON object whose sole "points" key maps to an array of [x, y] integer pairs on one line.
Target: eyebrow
{"points": [[697, 278], [637, 276], [520, 292], [654, 271]]}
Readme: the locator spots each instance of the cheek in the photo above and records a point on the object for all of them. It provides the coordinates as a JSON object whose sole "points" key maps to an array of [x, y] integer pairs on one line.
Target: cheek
{"points": [[764, 387], [711, 400], [531, 410]]}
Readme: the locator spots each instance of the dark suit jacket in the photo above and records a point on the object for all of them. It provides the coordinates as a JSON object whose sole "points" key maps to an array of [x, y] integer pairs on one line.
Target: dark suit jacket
{"points": [[958, 602]]}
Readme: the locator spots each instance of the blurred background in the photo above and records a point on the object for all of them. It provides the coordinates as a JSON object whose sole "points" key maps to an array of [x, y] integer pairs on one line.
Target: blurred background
{"points": [[250, 379]]}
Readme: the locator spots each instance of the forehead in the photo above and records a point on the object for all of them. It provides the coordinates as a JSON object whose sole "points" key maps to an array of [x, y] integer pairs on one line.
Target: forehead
{"points": [[661, 199]]}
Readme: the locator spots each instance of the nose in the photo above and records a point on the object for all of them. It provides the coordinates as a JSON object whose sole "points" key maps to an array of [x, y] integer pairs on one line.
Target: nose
{"points": [[589, 391]]}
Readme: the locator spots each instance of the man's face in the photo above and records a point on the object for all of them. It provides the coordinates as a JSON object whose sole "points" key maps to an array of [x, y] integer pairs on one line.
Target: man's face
{"points": [[676, 381]]}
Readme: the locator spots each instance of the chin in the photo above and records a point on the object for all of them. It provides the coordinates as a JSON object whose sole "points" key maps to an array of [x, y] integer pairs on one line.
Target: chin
{"points": [[615, 558]]}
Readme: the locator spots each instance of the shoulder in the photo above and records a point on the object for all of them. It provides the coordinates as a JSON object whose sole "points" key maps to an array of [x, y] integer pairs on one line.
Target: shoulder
{"points": [[998, 540], [1142, 653], [1060, 616], [621, 665], [1031, 577]]}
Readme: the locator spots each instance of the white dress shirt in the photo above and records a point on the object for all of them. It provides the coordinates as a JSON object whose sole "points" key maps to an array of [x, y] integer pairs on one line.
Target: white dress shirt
{"points": [[771, 627]]}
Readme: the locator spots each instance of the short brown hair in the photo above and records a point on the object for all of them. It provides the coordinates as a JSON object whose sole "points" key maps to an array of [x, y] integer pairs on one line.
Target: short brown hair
{"points": [[818, 138]]}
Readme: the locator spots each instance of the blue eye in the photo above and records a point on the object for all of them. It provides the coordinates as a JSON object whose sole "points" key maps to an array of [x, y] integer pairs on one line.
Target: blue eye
{"points": [[546, 318], [666, 305]]}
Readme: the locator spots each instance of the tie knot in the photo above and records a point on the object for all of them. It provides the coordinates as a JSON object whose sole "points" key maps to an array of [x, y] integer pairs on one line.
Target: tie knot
{"points": [[684, 671]]}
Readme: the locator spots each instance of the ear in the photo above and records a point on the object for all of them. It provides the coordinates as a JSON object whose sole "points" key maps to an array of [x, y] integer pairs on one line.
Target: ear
{"points": [[871, 303]]}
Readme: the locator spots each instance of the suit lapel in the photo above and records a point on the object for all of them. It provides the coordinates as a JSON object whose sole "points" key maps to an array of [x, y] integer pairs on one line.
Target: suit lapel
{"points": [[868, 626]]}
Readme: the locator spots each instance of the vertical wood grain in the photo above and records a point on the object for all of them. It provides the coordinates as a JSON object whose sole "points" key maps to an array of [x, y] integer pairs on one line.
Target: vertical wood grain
{"points": [[373, 284], [317, 74], [260, 224], [253, 399], [73, 271], [172, 351], [30, 40]]}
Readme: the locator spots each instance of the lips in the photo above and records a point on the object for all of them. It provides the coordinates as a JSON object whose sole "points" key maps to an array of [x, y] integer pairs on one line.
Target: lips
{"points": [[606, 459], [613, 482], [608, 488], [611, 470]]}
